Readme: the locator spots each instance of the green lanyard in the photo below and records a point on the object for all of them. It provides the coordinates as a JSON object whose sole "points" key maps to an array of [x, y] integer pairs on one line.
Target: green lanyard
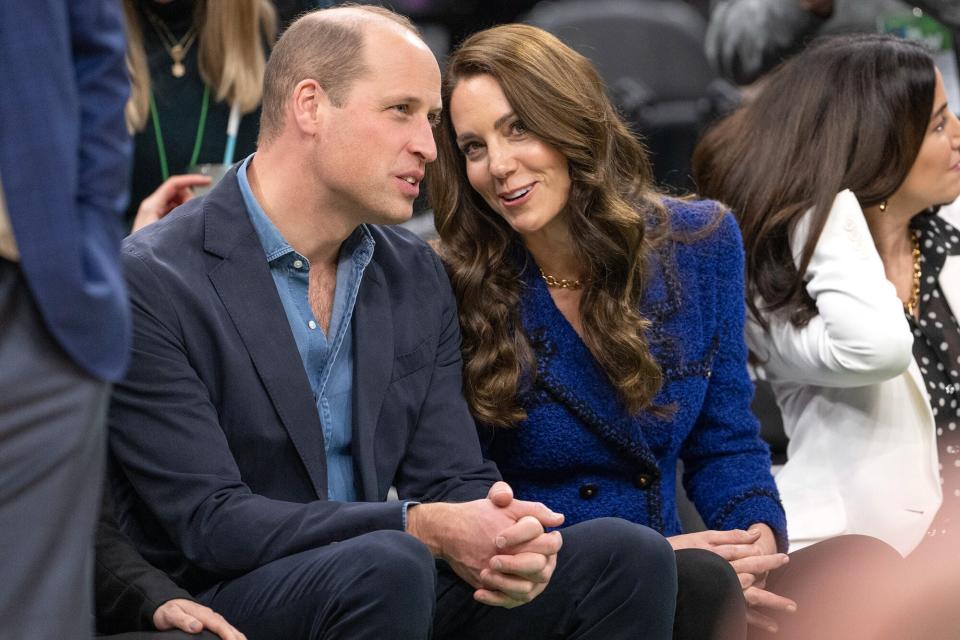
{"points": [[162, 149]]}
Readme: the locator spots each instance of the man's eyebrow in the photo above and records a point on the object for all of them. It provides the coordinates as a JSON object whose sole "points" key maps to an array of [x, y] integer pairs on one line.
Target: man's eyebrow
{"points": [[407, 99]]}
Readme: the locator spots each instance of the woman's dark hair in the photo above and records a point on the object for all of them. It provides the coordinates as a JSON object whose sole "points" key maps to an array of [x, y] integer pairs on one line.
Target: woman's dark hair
{"points": [[612, 207], [850, 112]]}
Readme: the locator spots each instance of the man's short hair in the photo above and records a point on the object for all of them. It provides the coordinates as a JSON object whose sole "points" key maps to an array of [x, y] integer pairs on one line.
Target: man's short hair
{"points": [[325, 45]]}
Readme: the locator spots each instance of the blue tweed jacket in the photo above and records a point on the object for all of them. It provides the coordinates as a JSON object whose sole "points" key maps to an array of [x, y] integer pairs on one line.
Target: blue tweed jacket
{"points": [[580, 452]]}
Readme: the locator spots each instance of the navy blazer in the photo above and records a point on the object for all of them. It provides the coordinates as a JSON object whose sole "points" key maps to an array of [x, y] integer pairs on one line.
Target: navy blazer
{"points": [[216, 429], [64, 164]]}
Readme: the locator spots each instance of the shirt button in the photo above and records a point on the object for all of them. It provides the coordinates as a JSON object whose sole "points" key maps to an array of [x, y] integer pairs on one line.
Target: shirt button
{"points": [[298, 264], [588, 491], [312, 324]]}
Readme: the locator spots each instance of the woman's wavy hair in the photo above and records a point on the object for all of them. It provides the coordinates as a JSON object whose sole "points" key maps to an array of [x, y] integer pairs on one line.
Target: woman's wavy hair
{"points": [[615, 216], [850, 112], [231, 53]]}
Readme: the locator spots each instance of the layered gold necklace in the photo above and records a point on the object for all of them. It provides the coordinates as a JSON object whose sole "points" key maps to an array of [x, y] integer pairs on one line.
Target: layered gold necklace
{"points": [[910, 306], [177, 48]]}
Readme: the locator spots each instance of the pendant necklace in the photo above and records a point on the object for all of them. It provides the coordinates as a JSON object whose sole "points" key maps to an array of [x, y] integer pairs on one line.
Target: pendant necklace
{"points": [[176, 48]]}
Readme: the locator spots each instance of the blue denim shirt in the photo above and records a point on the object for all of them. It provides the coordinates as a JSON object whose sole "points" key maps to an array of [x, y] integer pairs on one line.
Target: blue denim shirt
{"points": [[327, 359]]}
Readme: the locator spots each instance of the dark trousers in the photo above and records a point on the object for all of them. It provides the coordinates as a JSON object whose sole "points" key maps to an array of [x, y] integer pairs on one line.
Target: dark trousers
{"points": [[162, 635], [52, 452], [710, 604], [613, 580]]}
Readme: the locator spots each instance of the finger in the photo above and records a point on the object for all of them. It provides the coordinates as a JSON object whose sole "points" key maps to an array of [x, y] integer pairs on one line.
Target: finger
{"points": [[747, 580], [186, 180], [528, 565], [495, 599], [216, 623], [547, 544], [500, 494], [731, 552], [757, 619], [177, 618], [762, 598], [537, 510], [760, 564], [523, 530], [512, 586], [732, 536], [169, 187]]}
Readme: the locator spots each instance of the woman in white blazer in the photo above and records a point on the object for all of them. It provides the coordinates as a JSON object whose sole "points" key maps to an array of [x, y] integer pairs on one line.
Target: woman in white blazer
{"points": [[853, 286]]}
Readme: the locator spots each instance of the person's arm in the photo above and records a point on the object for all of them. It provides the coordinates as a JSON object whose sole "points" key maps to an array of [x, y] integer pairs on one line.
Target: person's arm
{"points": [[132, 595], [166, 434], [466, 534], [747, 38], [860, 335], [103, 168], [128, 590], [726, 464]]}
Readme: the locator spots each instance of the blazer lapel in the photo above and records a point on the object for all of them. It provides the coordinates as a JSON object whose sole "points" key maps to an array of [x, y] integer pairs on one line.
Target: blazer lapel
{"points": [[246, 288], [373, 365]]}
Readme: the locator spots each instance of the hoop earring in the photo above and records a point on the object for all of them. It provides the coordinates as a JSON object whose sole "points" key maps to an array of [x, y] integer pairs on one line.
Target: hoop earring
{"points": [[883, 206]]}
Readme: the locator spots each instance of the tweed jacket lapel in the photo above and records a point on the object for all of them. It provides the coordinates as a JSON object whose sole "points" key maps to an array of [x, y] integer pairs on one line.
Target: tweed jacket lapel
{"points": [[567, 371]]}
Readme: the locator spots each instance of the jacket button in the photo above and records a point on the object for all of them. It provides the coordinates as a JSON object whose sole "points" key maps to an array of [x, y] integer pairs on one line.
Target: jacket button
{"points": [[642, 480], [588, 491]]}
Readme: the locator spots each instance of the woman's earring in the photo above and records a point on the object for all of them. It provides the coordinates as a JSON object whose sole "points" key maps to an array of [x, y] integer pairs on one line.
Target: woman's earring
{"points": [[883, 206]]}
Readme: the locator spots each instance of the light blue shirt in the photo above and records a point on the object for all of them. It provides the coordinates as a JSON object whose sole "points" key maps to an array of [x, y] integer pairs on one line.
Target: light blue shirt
{"points": [[327, 359]]}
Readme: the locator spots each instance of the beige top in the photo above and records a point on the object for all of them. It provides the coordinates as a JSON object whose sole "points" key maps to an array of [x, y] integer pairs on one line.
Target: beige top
{"points": [[8, 246]]}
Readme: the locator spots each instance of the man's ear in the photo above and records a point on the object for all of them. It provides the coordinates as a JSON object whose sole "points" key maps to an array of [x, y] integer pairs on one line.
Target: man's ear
{"points": [[309, 106]]}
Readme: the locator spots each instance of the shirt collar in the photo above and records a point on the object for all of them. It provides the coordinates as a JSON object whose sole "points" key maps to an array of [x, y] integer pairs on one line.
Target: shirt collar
{"points": [[359, 244], [273, 243]]}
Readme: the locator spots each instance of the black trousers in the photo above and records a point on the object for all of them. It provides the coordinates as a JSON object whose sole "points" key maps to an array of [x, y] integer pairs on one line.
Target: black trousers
{"points": [[613, 580], [710, 604], [161, 635]]}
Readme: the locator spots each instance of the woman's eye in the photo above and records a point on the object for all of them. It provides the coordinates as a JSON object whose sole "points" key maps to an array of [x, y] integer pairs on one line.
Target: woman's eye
{"points": [[402, 108], [470, 149], [518, 128]]}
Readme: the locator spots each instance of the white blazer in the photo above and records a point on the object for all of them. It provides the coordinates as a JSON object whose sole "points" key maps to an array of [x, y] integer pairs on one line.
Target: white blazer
{"points": [[862, 456]]}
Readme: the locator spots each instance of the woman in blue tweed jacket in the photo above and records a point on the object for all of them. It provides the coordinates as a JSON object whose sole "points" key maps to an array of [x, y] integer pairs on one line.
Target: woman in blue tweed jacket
{"points": [[602, 321]]}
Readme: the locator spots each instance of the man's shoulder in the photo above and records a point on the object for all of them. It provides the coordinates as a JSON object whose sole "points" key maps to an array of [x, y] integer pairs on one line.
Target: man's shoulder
{"points": [[401, 254], [177, 233]]}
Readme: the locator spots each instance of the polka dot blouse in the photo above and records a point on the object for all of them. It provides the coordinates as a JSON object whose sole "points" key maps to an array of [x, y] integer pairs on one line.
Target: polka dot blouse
{"points": [[936, 349]]}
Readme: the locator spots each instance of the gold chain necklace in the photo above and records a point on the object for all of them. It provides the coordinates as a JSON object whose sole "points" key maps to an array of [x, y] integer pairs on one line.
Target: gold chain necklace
{"points": [[911, 305], [176, 49], [560, 283]]}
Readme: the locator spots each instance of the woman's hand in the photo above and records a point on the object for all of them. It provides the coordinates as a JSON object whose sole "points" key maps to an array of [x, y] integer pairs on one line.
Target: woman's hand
{"points": [[174, 191], [752, 554], [193, 617]]}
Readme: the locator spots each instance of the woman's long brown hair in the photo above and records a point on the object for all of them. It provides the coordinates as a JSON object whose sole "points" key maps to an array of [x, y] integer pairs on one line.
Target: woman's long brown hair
{"points": [[612, 210], [850, 112], [231, 54]]}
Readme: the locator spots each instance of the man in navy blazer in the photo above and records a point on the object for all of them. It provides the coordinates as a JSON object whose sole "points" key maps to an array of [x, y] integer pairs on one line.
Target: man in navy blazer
{"points": [[293, 360], [64, 323]]}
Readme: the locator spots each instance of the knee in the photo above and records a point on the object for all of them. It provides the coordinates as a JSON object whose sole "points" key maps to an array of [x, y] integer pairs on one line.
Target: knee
{"points": [[706, 575], [636, 549], [398, 559], [710, 603]]}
